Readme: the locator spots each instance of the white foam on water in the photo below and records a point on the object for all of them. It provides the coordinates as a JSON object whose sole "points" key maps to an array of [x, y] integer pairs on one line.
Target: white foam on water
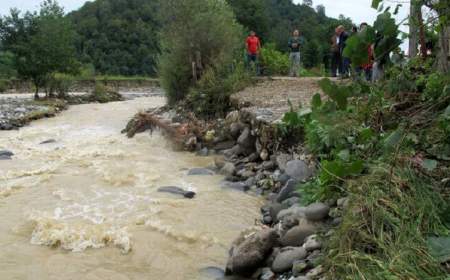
{"points": [[92, 219], [77, 237]]}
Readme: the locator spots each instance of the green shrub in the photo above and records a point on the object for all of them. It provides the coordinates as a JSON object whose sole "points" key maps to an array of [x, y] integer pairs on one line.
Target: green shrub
{"points": [[197, 34], [210, 97], [103, 94], [59, 84], [435, 84], [4, 85], [274, 62]]}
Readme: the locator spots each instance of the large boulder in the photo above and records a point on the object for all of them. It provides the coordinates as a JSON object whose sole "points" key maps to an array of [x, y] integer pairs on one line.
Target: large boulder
{"points": [[289, 190], [312, 243], [200, 172], [247, 141], [238, 186], [5, 154], [225, 145], [292, 201], [285, 259], [282, 160], [235, 151], [249, 252], [295, 211], [228, 169], [296, 236], [298, 170], [236, 129], [317, 211], [177, 190]]}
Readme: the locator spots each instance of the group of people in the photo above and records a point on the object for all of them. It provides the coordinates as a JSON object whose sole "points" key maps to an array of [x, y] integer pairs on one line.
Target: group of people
{"points": [[295, 43], [340, 65]]}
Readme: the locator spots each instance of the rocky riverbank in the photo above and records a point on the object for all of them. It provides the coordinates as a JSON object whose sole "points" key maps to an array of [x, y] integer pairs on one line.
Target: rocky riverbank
{"points": [[288, 241], [16, 112]]}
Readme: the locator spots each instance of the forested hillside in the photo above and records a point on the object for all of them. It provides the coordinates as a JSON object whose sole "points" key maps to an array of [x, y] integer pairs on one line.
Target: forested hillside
{"points": [[118, 36], [121, 36]]}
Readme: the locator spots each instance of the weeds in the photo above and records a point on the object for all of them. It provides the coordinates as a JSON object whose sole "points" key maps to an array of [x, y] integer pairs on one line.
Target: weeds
{"points": [[390, 154]]}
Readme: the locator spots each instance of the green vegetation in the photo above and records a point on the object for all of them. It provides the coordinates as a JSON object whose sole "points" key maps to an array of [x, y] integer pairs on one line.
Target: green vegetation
{"points": [[118, 37], [192, 65], [389, 153], [42, 44], [274, 62], [385, 146]]}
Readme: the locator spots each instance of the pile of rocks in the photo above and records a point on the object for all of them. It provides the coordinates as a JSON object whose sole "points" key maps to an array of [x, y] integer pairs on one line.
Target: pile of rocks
{"points": [[290, 249], [14, 110], [289, 243]]}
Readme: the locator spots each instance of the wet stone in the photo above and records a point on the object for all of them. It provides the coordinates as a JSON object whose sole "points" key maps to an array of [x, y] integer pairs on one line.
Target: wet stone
{"points": [[200, 172]]}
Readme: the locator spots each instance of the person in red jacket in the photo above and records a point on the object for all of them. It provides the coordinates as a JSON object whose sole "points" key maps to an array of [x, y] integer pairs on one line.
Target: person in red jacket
{"points": [[253, 47]]}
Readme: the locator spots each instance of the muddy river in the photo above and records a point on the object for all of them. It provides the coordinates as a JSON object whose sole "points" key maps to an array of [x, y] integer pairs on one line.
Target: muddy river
{"points": [[86, 206]]}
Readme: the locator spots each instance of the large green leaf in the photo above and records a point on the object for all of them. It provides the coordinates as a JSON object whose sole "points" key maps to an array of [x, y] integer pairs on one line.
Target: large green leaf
{"points": [[440, 248], [376, 3], [394, 139], [339, 169], [429, 164], [316, 101], [357, 46], [339, 94]]}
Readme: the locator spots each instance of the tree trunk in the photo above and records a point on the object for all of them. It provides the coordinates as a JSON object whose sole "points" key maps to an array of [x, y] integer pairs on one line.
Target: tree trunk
{"points": [[413, 30], [444, 50], [36, 93], [423, 46]]}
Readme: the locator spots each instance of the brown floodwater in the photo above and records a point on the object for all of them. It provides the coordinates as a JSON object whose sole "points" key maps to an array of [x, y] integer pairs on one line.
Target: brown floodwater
{"points": [[87, 206]]}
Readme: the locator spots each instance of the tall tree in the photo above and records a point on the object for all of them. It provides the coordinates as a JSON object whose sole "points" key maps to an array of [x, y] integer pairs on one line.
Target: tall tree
{"points": [[42, 43], [413, 28], [198, 36]]}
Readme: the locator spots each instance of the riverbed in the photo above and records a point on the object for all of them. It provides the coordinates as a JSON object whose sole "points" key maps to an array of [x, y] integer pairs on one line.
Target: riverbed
{"points": [[86, 206]]}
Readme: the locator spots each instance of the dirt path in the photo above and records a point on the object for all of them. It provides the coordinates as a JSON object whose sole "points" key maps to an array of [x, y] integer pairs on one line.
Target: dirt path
{"points": [[268, 99]]}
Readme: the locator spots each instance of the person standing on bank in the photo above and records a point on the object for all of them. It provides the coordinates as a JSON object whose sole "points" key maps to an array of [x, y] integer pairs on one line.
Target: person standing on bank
{"points": [[253, 48], [342, 43], [294, 44], [335, 54]]}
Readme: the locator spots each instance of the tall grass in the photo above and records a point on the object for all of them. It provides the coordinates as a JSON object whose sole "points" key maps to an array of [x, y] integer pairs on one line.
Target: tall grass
{"points": [[385, 229]]}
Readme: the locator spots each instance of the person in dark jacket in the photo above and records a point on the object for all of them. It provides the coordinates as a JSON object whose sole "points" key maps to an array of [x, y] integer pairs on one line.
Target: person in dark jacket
{"points": [[294, 44], [344, 62], [335, 54]]}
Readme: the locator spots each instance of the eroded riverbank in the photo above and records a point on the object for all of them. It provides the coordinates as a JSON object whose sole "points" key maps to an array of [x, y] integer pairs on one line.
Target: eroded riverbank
{"points": [[93, 188]]}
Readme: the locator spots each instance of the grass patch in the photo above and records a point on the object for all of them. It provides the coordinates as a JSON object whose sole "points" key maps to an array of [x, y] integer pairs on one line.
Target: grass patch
{"points": [[385, 229], [50, 107]]}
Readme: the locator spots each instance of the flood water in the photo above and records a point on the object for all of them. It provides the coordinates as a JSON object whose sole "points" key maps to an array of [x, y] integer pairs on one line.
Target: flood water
{"points": [[86, 206]]}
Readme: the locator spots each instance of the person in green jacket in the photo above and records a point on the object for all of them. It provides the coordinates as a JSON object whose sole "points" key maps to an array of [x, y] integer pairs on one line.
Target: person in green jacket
{"points": [[294, 44]]}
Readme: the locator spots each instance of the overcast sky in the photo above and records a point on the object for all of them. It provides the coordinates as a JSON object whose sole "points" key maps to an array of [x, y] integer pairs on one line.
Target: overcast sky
{"points": [[358, 10]]}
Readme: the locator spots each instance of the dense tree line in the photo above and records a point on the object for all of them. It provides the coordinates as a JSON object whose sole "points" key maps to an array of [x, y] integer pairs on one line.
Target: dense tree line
{"points": [[118, 36], [121, 37]]}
